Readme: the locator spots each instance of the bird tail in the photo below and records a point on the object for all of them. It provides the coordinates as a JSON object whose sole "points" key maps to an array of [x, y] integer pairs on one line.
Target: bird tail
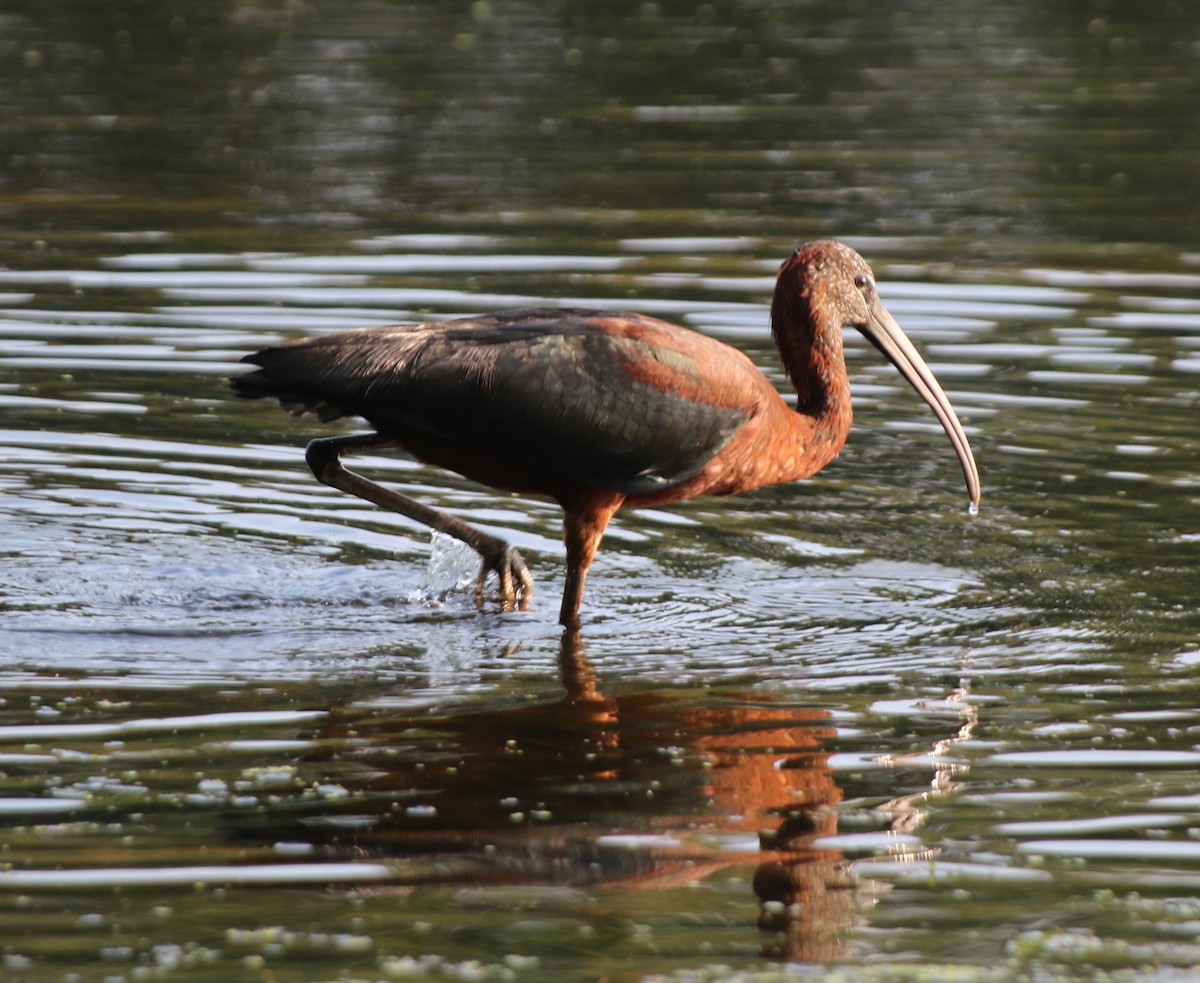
{"points": [[295, 399]]}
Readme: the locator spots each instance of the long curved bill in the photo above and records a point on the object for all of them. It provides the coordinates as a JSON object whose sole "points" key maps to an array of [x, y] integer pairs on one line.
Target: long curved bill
{"points": [[885, 334]]}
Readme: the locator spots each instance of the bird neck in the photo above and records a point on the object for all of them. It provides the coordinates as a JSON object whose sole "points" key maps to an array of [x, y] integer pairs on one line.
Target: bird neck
{"points": [[810, 347]]}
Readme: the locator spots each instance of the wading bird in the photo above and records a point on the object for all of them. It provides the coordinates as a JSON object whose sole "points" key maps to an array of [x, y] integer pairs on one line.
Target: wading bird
{"points": [[597, 409]]}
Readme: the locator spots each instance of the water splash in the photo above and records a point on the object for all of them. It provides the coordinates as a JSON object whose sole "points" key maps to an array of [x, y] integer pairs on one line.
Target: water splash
{"points": [[453, 566], [973, 509]]}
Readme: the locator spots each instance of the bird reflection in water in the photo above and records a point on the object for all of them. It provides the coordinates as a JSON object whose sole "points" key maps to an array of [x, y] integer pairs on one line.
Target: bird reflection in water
{"points": [[579, 778]]}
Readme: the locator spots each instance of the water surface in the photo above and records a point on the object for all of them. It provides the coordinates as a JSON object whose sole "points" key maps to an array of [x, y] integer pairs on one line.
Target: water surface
{"points": [[250, 726]]}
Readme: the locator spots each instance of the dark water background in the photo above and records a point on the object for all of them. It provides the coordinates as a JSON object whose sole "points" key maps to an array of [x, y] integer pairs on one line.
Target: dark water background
{"points": [[250, 728]]}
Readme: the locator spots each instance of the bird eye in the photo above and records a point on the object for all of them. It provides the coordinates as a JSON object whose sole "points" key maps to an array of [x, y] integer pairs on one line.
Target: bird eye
{"points": [[862, 281]]}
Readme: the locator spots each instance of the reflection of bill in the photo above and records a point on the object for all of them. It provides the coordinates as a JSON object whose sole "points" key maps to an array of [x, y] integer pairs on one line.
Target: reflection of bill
{"points": [[640, 790]]}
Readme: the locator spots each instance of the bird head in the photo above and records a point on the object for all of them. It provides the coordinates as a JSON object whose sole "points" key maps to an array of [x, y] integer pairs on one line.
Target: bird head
{"points": [[825, 287]]}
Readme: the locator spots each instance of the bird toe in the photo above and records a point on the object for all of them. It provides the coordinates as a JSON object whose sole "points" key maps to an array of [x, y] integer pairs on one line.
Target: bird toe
{"points": [[516, 582]]}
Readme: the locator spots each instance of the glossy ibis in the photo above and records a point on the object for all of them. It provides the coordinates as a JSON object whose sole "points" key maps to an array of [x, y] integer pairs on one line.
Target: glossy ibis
{"points": [[596, 409]]}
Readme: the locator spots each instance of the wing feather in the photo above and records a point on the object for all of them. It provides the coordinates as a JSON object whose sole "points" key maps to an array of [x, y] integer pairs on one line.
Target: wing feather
{"points": [[550, 391]]}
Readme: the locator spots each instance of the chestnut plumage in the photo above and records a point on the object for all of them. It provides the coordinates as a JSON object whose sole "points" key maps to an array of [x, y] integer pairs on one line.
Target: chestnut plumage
{"points": [[597, 409]]}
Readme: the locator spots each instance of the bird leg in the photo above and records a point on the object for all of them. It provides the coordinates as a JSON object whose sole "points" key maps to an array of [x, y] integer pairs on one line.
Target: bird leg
{"points": [[584, 523], [324, 457]]}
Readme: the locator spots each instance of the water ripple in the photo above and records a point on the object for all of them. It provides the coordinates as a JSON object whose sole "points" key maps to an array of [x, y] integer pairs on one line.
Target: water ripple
{"points": [[117, 877]]}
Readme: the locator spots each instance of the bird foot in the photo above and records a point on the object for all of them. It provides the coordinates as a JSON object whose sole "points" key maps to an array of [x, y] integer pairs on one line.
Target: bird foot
{"points": [[516, 582]]}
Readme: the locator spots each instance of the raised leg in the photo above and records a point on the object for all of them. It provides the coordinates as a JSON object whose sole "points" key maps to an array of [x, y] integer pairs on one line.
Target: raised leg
{"points": [[324, 457]]}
